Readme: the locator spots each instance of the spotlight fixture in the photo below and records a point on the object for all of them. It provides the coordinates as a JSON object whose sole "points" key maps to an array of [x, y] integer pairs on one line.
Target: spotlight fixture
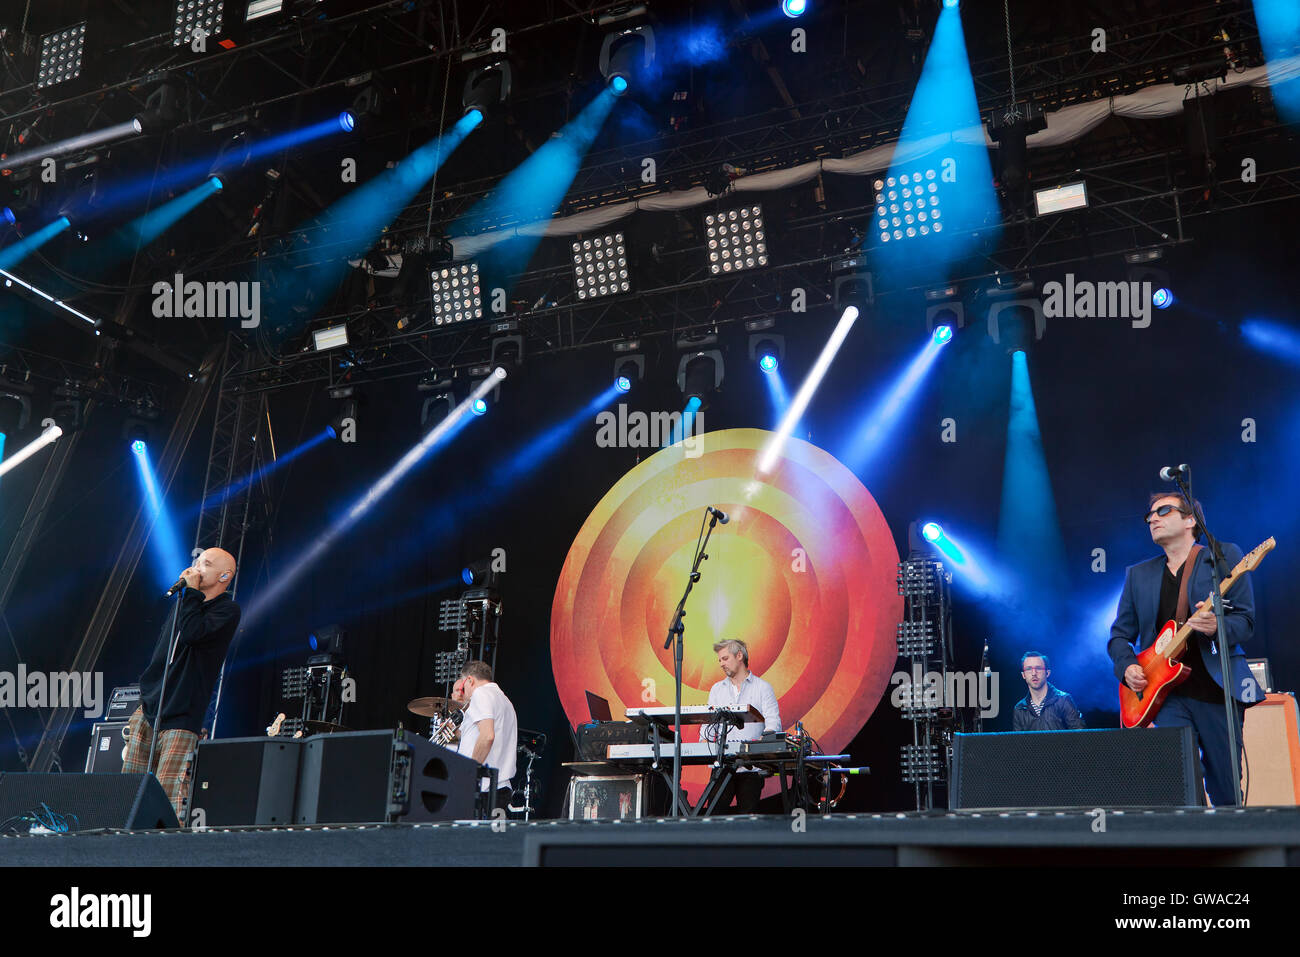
{"points": [[480, 574], [1163, 298], [8, 216], [699, 373], [1015, 323], [436, 408], [61, 54], [907, 205], [330, 337], [932, 531], [943, 307], [600, 266], [737, 239], [626, 56], [455, 293], [486, 87], [194, 15], [508, 351], [257, 9], [21, 394], [767, 349], [794, 8], [628, 370], [942, 334]]}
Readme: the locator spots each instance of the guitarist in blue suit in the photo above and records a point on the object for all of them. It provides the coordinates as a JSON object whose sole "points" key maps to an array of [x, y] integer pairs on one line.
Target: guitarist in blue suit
{"points": [[1157, 591]]}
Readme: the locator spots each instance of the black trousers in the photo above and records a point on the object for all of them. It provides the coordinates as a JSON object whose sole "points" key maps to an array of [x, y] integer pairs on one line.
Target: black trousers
{"points": [[503, 797], [746, 787]]}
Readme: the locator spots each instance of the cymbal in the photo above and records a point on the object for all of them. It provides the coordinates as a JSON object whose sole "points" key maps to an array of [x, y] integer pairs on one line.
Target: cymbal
{"points": [[432, 707]]}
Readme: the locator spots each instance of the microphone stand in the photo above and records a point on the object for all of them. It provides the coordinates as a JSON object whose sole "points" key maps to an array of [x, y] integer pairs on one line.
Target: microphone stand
{"points": [[162, 688], [675, 640], [1218, 571]]}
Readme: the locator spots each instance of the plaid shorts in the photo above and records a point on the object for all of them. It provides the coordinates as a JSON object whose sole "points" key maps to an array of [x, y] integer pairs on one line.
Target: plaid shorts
{"points": [[171, 762]]}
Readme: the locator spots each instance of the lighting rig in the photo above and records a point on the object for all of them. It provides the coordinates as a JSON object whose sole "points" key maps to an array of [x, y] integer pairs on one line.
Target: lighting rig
{"points": [[925, 642]]}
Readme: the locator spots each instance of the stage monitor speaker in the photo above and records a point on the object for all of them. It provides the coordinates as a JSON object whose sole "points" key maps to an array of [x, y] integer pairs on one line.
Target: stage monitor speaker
{"points": [[1150, 767], [88, 801], [107, 747], [245, 781], [1271, 776], [359, 777]]}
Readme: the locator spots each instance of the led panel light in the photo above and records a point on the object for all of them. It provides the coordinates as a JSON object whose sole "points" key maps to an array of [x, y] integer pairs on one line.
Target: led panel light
{"points": [[194, 15], [1061, 198], [907, 206], [61, 55], [600, 266], [330, 338], [262, 8], [737, 239], [455, 293]]}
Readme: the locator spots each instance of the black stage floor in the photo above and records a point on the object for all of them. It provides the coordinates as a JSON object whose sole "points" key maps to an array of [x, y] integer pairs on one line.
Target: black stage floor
{"points": [[1059, 837]]}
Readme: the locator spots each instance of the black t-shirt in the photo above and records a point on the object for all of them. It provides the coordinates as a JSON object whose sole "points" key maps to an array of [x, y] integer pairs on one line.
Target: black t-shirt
{"points": [[205, 630], [1199, 685]]}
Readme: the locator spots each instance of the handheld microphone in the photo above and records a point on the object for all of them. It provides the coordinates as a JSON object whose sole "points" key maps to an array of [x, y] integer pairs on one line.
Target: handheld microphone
{"points": [[1171, 474], [180, 583], [721, 515]]}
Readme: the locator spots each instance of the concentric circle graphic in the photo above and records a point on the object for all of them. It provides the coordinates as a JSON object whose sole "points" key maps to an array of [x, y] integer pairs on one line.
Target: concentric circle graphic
{"points": [[804, 573]]}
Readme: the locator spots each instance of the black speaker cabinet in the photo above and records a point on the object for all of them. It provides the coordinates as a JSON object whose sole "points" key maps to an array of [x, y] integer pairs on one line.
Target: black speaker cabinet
{"points": [[1147, 767], [107, 747], [375, 776], [87, 801], [242, 781]]}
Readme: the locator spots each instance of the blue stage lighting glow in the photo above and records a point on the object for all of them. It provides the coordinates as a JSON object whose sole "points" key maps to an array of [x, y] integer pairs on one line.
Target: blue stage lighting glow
{"points": [[479, 407], [169, 557], [223, 494], [1279, 35], [329, 430], [951, 3], [439, 434], [347, 229], [144, 229], [347, 122], [15, 253], [533, 190], [1029, 536], [216, 183], [932, 531], [1282, 341], [768, 362], [872, 436], [312, 643], [9, 216], [1162, 298], [942, 335], [618, 84], [922, 199], [794, 8], [467, 576], [623, 384]]}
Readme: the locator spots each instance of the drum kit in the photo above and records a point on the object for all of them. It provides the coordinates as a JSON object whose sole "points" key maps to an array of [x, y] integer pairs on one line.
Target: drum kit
{"points": [[445, 718]]}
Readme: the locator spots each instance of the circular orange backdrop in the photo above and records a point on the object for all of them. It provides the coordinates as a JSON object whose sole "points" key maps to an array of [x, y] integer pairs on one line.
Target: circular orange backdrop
{"points": [[805, 574]]}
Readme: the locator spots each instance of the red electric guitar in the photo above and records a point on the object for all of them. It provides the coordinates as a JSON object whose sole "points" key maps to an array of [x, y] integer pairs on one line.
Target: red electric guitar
{"points": [[1160, 660]]}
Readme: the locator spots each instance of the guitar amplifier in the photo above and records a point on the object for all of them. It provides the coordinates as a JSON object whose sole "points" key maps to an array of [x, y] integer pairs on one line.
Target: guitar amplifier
{"points": [[594, 738], [1150, 767], [122, 703]]}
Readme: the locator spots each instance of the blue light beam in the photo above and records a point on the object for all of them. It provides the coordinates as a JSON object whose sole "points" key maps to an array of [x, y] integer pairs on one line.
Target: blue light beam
{"points": [[441, 433], [169, 557], [872, 435], [15, 253]]}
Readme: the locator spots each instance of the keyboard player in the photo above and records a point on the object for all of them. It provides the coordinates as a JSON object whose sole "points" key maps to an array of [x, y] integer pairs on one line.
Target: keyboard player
{"points": [[740, 687]]}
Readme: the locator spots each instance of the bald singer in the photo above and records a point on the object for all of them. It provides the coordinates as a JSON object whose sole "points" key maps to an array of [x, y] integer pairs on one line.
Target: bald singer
{"points": [[187, 660]]}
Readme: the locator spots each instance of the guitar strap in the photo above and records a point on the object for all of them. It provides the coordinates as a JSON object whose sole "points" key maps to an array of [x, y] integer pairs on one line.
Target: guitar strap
{"points": [[1184, 607]]}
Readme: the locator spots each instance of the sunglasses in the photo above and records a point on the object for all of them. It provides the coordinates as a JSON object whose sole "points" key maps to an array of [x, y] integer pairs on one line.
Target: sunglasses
{"points": [[1164, 510]]}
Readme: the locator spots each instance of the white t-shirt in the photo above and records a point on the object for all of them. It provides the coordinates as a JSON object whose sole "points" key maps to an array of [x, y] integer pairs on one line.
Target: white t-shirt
{"points": [[489, 701]]}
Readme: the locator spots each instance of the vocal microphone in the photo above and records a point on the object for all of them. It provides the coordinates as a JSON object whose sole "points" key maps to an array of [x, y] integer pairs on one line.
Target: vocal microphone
{"points": [[180, 583], [721, 515], [1171, 474]]}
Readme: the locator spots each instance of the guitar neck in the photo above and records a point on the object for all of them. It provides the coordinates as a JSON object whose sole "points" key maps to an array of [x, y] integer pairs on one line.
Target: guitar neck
{"points": [[1185, 632]]}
